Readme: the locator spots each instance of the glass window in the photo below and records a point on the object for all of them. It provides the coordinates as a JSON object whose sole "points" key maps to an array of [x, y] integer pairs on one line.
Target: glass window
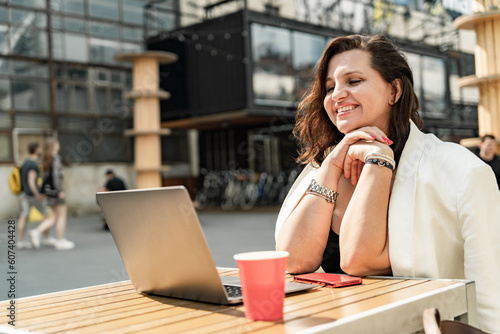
{"points": [[307, 49], [100, 100], [29, 41], [68, 6], [57, 45], [107, 9], [116, 77], [161, 17], [5, 103], [129, 47], [74, 6], [57, 22], [79, 124], [62, 97], [80, 99], [30, 69], [414, 62], [5, 147], [56, 5], [113, 149], [76, 48], [132, 34], [76, 147], [4, 66], [5, 120], [74, 25], [28, 18], [30, 95], [434, 85], [4, 40], [273, 81], [33, 121], [104, 30], [116, 99], [29, 3], [103, 51], [133, 11], [3, 14], [77, 74]]}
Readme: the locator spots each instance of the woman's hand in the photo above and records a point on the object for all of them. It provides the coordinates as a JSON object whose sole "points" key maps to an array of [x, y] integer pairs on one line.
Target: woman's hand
{"points": [[367, 134], [356, 156]]}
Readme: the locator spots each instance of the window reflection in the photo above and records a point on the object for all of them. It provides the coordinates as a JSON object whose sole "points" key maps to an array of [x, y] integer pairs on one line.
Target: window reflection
{"points": [[4, 94], [273, 82], [106, 9], [28, 41], [434, 86], [30, 69], [102, 50], [307, 49], [414, 62], [4, 41], [133, 11], [30, 95], [104, 30], [26, 18]]}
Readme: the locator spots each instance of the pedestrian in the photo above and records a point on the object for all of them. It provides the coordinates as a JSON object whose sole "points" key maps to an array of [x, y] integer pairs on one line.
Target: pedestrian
{"points": [[487, 148], [378, 196], [113, 182], [31, 197], [56, 199]]}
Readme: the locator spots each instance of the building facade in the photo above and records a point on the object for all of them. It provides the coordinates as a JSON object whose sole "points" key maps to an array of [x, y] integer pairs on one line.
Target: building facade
{"points": [[243, 67]]}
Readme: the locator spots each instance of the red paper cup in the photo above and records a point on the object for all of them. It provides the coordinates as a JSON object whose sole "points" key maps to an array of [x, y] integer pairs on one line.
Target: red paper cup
{"points": [[262, 276]]}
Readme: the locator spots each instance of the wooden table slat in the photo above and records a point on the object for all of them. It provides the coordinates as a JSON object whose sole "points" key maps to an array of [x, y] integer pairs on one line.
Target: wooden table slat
{"points": [[118, 308]]}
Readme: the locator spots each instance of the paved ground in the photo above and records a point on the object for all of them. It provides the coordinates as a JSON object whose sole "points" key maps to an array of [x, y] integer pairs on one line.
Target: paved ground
{"points": [[95, 259]]}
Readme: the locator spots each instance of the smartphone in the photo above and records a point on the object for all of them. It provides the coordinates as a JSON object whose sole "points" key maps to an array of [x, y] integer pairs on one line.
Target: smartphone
{"points": [[328, 280]]}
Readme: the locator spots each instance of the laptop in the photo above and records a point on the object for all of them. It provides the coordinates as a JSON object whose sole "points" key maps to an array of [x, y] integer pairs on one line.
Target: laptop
{"points": [[161, 243]]}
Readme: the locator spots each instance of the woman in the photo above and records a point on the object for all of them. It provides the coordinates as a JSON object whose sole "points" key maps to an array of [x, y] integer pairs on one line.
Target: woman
{"points": [[378, 196], [53, 189]]}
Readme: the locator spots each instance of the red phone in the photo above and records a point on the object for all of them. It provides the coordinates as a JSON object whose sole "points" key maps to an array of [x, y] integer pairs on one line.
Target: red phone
{"points": [[329, 280]]}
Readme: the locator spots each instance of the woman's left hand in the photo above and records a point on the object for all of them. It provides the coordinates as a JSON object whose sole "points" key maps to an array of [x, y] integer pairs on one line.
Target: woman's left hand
{"points": [[356, 155]]}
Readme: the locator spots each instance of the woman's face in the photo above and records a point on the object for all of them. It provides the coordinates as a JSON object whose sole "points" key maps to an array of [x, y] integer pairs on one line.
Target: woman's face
{"points": [[356, 94]]}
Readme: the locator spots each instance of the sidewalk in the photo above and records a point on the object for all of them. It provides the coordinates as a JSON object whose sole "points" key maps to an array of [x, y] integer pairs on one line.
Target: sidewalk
{"points": [[95, 259]]}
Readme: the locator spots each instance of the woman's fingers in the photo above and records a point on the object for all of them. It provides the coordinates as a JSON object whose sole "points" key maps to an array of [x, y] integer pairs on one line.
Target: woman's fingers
{"points": [[368, 133]]}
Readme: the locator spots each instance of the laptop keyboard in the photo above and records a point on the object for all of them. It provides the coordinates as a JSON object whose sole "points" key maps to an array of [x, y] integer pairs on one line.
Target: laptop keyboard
{"points": [[233, 291]]}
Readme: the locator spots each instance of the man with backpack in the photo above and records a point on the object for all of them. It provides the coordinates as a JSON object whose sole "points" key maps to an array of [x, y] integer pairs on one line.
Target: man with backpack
{"points": [[30, 196]]}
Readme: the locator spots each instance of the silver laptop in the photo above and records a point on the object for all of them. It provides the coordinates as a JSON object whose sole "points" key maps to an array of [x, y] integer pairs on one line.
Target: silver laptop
{"points": [[163, 247]]}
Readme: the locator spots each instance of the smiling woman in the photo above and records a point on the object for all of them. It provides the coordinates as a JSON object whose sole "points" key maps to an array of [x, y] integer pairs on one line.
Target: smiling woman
{"points": [[378, 196]]}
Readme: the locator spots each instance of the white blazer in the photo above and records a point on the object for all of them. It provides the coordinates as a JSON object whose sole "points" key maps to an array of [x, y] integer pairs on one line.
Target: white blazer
{"points": [[444, 218]]}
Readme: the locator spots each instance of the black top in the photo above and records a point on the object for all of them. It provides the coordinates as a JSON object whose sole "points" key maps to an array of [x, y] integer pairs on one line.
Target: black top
{"points": [[495, 165], [25, 168], [331, 255], [115, 184]]}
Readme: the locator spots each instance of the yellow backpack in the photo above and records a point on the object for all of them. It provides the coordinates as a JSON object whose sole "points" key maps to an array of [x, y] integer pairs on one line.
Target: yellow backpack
{"points": [[15, 180]]}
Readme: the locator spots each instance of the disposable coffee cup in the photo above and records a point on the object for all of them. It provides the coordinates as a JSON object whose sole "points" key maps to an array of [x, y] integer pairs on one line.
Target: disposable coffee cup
{"points": [[262, 276]]}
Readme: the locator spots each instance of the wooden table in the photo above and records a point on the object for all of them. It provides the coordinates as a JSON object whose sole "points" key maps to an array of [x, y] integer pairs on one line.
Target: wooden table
{"points": [[379, 305]]}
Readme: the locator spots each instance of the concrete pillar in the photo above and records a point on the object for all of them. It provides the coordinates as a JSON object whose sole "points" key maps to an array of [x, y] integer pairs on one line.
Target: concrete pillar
{"points": [[486, 23], [147, 130]]}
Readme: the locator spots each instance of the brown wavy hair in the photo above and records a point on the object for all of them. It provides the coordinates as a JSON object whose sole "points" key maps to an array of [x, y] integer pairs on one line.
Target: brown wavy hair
{"points": [[48, 153], [314, 129]]}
